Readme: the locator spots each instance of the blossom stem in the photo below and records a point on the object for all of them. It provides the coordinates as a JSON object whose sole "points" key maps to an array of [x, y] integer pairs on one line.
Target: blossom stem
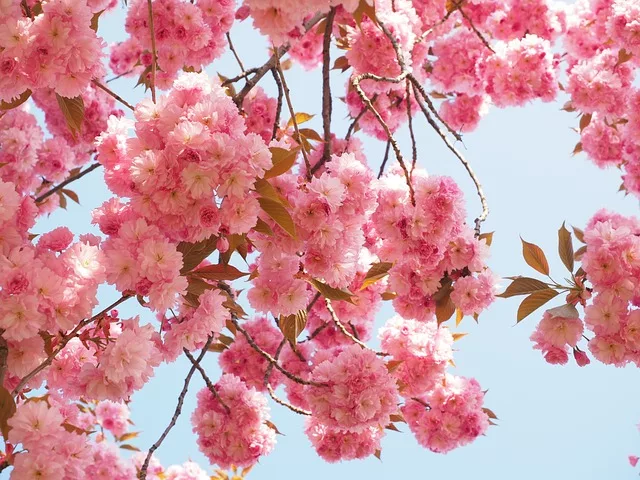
{"points": [[63, 184]]}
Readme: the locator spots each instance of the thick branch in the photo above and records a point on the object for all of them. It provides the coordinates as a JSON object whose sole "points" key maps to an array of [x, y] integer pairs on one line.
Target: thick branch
{"points": [[465, 163], [113, 94], [143, 470], [207, 380], [69, 180], [64, 342], [154, 52]]}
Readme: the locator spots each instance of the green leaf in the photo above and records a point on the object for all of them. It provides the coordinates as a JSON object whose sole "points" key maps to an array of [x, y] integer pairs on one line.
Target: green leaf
{"points": [[331, 293], [523, 286], [535, 257], [218, 272], [377, 272], [534, 301], [279, 214], [73, 111], [293, 325], [565, 247], [23, 97], [7, 409], [282, 160]]}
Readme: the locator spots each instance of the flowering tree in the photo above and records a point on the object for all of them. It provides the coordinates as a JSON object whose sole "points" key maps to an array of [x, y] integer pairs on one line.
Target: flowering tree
{"points": [[210, 174]]}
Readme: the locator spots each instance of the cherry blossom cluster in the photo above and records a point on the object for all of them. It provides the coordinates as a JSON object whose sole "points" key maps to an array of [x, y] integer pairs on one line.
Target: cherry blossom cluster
{"points": [[611, 267], [187, 35], [431, 246], [55, 49]]}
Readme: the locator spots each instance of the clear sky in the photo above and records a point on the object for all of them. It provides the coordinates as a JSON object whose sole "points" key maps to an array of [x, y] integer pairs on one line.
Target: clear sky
{"points": [[555, 422]]}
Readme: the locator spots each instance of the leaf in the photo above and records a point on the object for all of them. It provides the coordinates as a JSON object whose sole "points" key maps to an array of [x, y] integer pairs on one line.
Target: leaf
{"points": [[62, 200], [397, 417], [300, 118], [266, 190], [126, 446], [263, 227], [535, 257], [580, 252], [279, 214], [73, 429], [585, 120], [445, 310], [341, 64], [564, 311], [236, 243], [623, 56], [523, 286], [273, 427], [565, 247], [7, 409], [391, 426], [490, 413], [217, 347], [579, 234], [378, 454], [458, 336], [311, 134], [365, 9], [392, 365], [533, 302], [388, 295], [23, 97], [293, 325], [487, 237], [218, 272], [94, 20], [194, 253], [282, 160], [73, 111], [128, 436], [459, 316], [331, 293], [377, 272], [197, 286], [72, 195], [577, 149]]}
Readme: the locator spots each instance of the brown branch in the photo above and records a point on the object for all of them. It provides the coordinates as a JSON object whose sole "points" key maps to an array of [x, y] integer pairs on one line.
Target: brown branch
{"points": [[298, 137], [384, 160], [270, 359], [326, 87], [465, 163], [69, 180], [109, 80], [63, 342], [237, 78], [235, 54], [113, 94], [414, 146], [433, 109], [207, 380], [276, 121], [262, 71], [154, 52], [421, 402], [273, 395], [143, 470], [345, 332], [352, 127], [473, 27], [426, 33], [315, 333], [4, 353]]}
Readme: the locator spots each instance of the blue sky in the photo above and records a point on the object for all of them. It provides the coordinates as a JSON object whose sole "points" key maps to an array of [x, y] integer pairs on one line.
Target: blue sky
{"points": [[555, 422]]}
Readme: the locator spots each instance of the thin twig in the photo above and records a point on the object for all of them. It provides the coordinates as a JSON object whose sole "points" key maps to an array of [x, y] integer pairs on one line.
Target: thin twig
{"points": [[235, 54], [273, 395], [276, 121], [313, 301], [4, 353], [421, 402], [315, 333], [414, 146], [270, 359], [143, 470], [473, 27], [63, 342], [384, 160], [326, 86], [345, 332], [426, 33], [239, 77], [154, 52], [432, 107], [207, 380], [63, 184], [298, 137], [118, 76], [262, 71], [113, 94], [465, 163], [353, 125]]}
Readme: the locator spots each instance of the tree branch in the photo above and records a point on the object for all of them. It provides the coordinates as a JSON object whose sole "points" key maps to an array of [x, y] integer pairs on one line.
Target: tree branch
{"points": [[384, 160], [273, 395], [113, 94], [207, 380], [69, 180], [154, 52], [143, 470], [276, 121], [64, 342], [345, 332], [4, 353], [235, 54], [414, 146], [326, 87]]}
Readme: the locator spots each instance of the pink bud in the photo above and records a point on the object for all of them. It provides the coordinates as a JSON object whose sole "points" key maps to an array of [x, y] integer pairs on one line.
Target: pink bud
{"points": [[581, 357], [633, 460], [222, 245], [242, 13]]}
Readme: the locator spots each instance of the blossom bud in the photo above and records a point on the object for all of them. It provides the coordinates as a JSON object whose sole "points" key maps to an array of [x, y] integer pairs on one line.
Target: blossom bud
{"points": [[581, 357]]}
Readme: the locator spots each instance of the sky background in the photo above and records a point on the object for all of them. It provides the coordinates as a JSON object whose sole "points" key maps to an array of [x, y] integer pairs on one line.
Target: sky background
{"points": [[554, 422]]}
